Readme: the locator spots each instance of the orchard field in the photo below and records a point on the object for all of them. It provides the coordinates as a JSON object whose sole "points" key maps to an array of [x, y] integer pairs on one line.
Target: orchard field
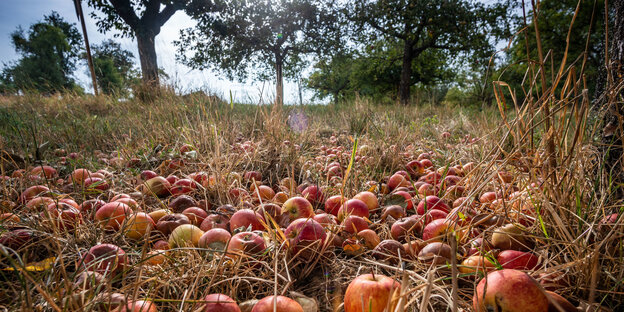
{"points": [[154, 207]]}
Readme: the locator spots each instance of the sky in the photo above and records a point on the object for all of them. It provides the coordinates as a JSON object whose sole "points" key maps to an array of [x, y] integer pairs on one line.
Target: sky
{"points": [[26, 12]]}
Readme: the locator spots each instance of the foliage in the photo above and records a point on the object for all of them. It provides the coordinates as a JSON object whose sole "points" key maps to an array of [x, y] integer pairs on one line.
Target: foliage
{"points": [[374, 70], [243, 35], [49, 52], [554, 20], [114, 68], [459, 28]]}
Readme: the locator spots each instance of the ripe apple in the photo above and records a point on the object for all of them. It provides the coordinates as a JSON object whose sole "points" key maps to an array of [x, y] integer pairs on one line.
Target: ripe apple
{"points": [[139, 306], [64, 216], [280, 198], [183, 186], [39, 203], [266, 193], [161, 245], [373, 292], [297, 207], [314, 194], [243, 219], [32, 192], [219, 303], [170, 222], [112, 215], [369, 199], [139, 225], [352, 246], [325, 219], [79, 175], [415, 168], [333, 204], [478, 246], [397, 180], [185, 235], [436, 230], [354, 224], [253, 176], [408, 199], [216, 239], [196, 215], [215, 221], [246, 243], [148, 174], [430, 203], [304, 237], [279, 303], [353, 207], [405, 227], [46, 172], [518, 260], [509, 290], [88, 280], [95, 183], [105, 259], [434, 214]]}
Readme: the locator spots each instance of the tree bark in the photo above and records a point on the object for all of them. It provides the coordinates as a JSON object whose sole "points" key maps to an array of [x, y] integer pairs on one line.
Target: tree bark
{"points": [[279, 82], [147, 56], [406, 73]]}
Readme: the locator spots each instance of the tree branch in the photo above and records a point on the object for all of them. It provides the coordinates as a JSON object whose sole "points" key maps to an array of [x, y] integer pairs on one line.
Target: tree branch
{"points": [[386, 31], [124, 9], [167, 12]]}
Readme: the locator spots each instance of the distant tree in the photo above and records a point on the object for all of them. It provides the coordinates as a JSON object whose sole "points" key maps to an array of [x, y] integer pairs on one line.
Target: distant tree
{"points": [[271, 36], [49, 52], [141, 20], [374, 71], [113, 67], [555, 17], [453, 26]]}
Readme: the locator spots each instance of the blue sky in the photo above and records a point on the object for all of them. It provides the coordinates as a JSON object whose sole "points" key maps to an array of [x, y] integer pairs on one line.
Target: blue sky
{"points": [[26, 12]]}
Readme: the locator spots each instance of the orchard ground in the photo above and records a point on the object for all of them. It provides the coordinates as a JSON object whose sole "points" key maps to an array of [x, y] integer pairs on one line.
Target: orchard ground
{"points": [[567, 193]]}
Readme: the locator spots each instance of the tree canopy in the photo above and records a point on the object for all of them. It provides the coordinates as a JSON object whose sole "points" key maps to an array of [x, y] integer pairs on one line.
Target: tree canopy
{"points": [[140, 19], [114, 68], [49, 52], [269, 36]]}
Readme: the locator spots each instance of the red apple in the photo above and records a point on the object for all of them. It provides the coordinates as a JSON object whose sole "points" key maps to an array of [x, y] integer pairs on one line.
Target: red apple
{"points": [[518, 260], [279, 303], [196, 215], [216, 239], [219, 303], [354, 207], [397, 180], [33, 191], [139, 306], [415, 168], [370, 238], [369, 199], [244, 219], [304, 237], [374, 293], [394, 211], [325, 219], [354, 224], [246, 243], [314, 194], [405, 227], [148, 174], [46, 172], [333, 204], [157, 186], [509, 290], [432, 202], [112, 215], [215, 221], [105, 259], [297, 207]]}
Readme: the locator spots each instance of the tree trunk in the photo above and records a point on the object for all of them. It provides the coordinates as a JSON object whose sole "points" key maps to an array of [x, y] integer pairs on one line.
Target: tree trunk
{"points": [[147, 56], [279, 83], [406, 73], [613, 132]]}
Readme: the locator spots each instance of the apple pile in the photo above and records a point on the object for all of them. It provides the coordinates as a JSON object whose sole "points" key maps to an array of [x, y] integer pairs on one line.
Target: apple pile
{"points": [[409, 217]]}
